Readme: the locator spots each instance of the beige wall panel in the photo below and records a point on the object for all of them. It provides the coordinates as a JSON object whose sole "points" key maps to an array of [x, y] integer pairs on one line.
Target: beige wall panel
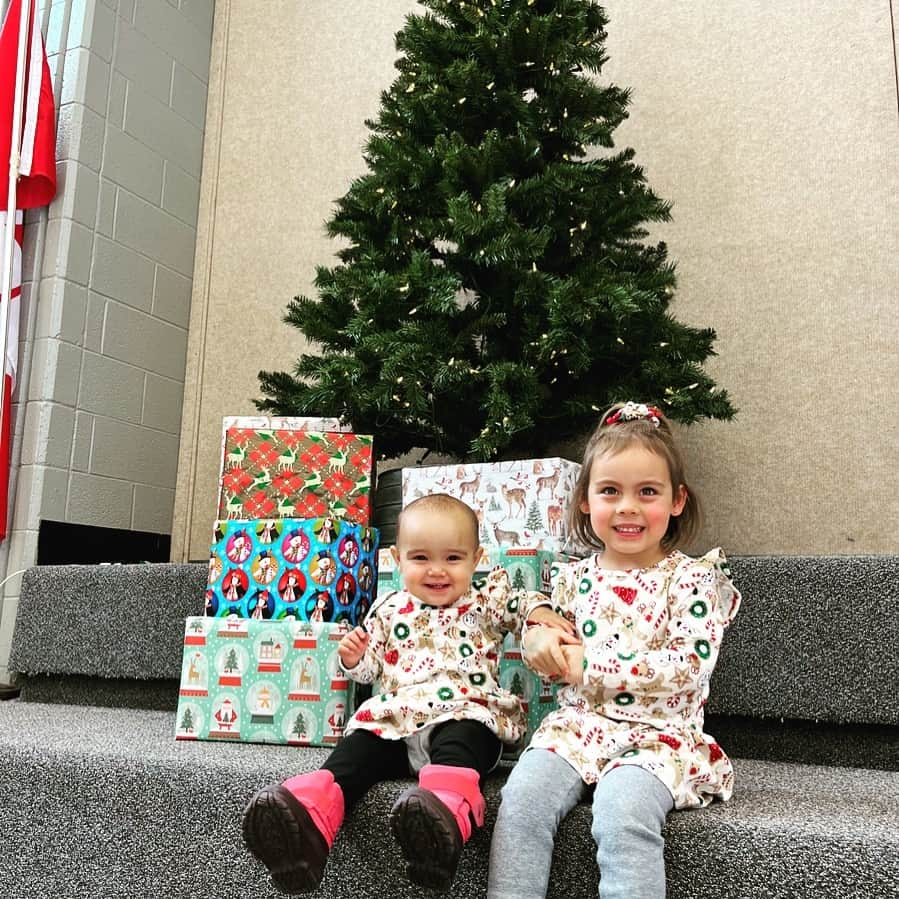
{"points": [[291, 86], [772, 129]]}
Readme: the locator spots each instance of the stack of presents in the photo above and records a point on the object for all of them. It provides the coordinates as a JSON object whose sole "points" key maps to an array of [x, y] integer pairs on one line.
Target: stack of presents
{"points": [[295, 564]]}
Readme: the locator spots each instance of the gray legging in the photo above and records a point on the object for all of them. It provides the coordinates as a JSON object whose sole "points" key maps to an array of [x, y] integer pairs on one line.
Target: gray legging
{"points": [[629, 810]]}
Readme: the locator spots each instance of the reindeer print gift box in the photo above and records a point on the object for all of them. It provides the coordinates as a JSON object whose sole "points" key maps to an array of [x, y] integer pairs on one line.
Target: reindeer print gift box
{"points": [[262, 682], [518, 503], [319, 569], [295, 473]]}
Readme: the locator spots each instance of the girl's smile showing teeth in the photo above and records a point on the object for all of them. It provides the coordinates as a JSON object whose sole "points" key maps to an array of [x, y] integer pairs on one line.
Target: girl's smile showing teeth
{"points": [[629, 530]]}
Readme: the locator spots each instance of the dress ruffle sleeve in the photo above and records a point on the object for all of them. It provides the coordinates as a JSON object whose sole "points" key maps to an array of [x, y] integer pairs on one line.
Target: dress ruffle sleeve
{"points": [[509, 608]]}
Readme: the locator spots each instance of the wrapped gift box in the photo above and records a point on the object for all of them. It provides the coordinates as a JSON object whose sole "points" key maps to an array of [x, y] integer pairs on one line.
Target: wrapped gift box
{"points": [[262, 682], [295, 473], [538, 695], [280, 422], [518, 503], [529, 569], [320, 569], [276, 423], [388, 573]]}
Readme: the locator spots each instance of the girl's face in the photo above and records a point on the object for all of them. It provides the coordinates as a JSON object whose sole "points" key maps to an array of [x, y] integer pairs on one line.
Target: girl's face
{"points": [[630, 500]]}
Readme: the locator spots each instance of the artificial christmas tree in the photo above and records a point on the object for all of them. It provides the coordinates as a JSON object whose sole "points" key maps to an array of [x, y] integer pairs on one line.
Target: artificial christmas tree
{"points": [[494, 291]]}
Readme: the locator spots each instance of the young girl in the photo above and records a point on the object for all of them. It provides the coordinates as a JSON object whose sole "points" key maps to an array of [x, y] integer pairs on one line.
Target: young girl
{"points": [[434, 649], [649, 623]]}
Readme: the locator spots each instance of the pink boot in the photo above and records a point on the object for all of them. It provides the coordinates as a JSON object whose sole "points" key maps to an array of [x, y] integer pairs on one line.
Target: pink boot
{"points": [[290, 828], [433, 821]]}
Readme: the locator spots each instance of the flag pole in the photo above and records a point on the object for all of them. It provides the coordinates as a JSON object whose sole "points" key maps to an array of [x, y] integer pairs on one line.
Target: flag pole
{"points": [[7, 691], [14, 158]]}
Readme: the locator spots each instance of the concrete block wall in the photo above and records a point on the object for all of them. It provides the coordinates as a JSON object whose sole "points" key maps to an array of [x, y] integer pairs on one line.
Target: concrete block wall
{"points": [[107, 274]]}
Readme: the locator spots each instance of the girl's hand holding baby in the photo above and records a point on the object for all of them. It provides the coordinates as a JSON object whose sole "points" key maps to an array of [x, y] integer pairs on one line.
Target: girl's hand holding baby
{"points": [[352, 647], [545, 615], [548, 651]]}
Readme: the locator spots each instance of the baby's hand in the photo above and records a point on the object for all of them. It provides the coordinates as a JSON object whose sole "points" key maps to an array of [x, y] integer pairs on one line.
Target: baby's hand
{"points": [[352, 647], [545, 650], [545, 615]]}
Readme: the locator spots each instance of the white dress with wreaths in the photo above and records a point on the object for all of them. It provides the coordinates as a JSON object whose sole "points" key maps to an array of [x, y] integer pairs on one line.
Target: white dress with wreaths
{"points": [[651, 638], [437, 664]]}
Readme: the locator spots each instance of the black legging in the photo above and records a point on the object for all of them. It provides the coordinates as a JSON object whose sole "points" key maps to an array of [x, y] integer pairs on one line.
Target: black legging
{"points": [[362, 759]]}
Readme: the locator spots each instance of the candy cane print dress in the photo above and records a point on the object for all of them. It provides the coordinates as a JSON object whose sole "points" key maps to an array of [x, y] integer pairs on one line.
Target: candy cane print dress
{"points": [[437, 664], [651, 638]]}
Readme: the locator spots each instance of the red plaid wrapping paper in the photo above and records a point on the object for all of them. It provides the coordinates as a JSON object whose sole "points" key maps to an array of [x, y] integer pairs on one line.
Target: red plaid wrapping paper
{"points": [[291, 473]]}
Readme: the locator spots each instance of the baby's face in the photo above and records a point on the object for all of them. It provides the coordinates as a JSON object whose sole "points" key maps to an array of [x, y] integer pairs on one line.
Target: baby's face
{"points": [[437, 555]]}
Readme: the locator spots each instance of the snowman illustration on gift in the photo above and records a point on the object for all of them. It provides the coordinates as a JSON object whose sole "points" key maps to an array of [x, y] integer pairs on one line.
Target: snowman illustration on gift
{"points": [[326, 530], [233, 586], [323, 571], [261, 609], [265, 571], [365, 575], [320, 608], [291, 590], [349, 552], [238, 548], [295, 547]]}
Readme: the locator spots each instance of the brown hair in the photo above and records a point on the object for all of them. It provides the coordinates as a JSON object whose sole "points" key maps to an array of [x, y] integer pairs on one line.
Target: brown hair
{"points": [[441, 503], [612, 439]]}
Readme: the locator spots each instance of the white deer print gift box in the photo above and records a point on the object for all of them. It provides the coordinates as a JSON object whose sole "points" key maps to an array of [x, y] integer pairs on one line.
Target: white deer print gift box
{"points": [[518, 503]]}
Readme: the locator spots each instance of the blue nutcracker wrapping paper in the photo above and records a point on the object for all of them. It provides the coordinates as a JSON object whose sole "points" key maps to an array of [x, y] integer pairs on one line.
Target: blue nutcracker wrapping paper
{"points": [[319, 569], [250, 681]]}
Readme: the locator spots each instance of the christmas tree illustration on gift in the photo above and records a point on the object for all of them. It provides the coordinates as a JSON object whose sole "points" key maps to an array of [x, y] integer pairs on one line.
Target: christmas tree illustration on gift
{"points": [[187, 721], [229, 676], [299, 732]]}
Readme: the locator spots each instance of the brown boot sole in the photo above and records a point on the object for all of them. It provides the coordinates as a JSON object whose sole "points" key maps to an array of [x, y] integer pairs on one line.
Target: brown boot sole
{"points": [[429, 838], [279, 831]]}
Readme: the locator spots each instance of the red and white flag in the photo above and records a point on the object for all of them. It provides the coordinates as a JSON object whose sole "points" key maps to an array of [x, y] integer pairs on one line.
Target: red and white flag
{"points": [[36, 184]]}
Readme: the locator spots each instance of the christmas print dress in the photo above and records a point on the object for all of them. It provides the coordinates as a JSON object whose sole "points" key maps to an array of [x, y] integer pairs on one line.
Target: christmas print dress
{"points": [[438, 664], [651, 638]]}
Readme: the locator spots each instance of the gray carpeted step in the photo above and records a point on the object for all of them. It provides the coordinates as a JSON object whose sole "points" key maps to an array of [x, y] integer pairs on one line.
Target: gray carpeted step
{"points": [[799, 650], [815, 639], [108, 621], [104, 803], [805, 742]]}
